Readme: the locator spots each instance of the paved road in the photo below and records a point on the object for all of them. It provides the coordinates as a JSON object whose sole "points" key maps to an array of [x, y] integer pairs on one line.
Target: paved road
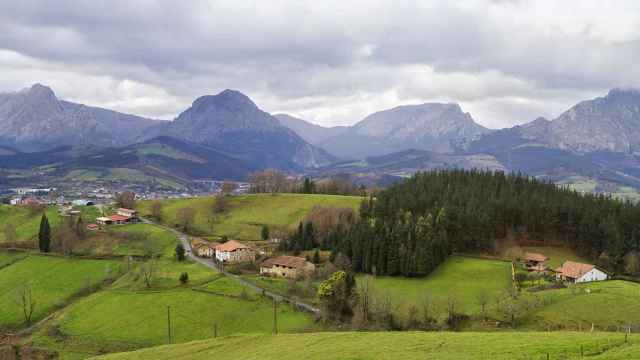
{"points": [[184, 238]]}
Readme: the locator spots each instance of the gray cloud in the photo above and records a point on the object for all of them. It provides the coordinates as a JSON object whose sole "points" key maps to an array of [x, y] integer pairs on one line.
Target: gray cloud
{"points": [[332, 62]]}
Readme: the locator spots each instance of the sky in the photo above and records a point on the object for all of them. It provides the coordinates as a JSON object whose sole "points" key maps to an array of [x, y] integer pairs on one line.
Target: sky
{"points": [[329, 62]]}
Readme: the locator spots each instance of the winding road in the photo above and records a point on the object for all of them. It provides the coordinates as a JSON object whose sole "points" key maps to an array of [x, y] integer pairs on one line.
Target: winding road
{"points": [[184, 239]]}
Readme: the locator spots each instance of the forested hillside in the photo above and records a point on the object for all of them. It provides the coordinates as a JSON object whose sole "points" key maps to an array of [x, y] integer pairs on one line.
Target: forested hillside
{"points": [[411, 227]]}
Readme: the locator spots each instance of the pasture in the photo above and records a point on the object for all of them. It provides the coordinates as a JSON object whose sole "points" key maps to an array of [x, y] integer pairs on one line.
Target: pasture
{"points": [[52, 280], [247, 213], [25, 220], [133, 240], [461, 279], [129, 315], [400, 345], [607, 305]]}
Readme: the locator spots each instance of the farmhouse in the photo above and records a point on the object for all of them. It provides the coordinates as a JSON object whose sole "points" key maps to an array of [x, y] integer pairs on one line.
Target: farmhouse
{"points": [[129, 213], [535, 262], [290, 267], [103, 220], [203, 248], [572, 271], [234, 252]]}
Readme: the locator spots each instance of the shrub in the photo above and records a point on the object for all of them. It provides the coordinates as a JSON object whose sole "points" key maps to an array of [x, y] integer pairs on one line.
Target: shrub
{"points": [[184, 278]]}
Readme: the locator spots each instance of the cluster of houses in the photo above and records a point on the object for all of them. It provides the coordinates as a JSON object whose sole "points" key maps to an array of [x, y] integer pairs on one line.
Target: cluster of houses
{"points": [[570, 271], [122, 216], [234, 252]]}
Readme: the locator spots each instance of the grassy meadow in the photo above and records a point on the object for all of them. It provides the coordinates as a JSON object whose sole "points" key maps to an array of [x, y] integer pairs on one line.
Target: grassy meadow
{"points": [[52, 280], [26, 222], [606, 305], [458, 278], [400, 345], [128, 315], [132, 239], [248, 213]]}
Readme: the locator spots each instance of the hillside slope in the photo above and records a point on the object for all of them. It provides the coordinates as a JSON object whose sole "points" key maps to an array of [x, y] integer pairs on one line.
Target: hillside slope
{"points": [[399, 345]]}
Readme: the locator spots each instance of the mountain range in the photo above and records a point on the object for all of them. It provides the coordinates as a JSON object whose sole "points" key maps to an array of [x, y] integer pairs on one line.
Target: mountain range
{"points": [[228, 136]]}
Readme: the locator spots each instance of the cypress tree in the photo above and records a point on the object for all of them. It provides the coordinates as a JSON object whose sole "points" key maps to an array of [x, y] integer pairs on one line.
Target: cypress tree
{"points": [[44, 235]]}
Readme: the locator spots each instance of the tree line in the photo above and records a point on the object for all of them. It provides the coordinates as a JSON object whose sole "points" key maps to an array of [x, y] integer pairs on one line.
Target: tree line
{"points": [[411, 227]]}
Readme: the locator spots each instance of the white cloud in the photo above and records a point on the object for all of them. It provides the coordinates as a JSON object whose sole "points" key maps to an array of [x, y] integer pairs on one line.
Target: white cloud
{"points": [[332, 62]]}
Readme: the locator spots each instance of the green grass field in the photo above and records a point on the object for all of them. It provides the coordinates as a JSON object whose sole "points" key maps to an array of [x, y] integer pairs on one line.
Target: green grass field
{"points": [[7, 258], [52, 280], [459, 278], [26, 223], [248, 213], [133, 239], [166, 274], [400, 345], [606, 305], [129, 316]]}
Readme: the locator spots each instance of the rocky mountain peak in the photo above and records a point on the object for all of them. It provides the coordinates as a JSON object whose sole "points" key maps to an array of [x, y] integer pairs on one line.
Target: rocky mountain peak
{"points": [[232, 100]]}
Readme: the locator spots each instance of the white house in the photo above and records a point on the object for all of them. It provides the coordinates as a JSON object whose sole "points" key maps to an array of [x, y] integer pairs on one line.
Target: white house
{"points": [[578, 272]]}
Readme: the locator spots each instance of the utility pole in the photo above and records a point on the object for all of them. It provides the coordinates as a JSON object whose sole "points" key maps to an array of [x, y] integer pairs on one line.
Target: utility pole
{"points": [[169, 322], [275, 317]]}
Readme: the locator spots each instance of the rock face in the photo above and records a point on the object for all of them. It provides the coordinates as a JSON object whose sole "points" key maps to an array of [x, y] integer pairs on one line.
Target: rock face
{"points": [[431, 126], [610, 123], [231, 122], [312, 133], [35, 119]]}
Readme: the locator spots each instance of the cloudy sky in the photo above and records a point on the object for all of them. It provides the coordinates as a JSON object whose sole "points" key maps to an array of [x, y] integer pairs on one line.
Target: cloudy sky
{"points": [[330, 62]]}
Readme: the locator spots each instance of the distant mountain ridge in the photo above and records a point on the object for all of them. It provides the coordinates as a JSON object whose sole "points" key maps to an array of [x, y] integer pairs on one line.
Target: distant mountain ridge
{"points": [[35, 119], [430, 126], [312, 133], [232, 123]]}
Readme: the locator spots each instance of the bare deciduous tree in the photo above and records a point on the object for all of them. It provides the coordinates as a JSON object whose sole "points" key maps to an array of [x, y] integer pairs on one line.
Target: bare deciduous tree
{"points": [[186, 216], [482, 299], [9, 233], [26, 301], [156, 210], [147, 270]]}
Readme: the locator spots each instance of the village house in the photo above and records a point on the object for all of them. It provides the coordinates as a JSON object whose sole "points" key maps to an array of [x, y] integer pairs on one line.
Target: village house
{"points": [[203, 248], [103, 220], [123, 216], [535, 262], [93, 227], [290, 267], [572, 271], [234, 252], [129, 213]]}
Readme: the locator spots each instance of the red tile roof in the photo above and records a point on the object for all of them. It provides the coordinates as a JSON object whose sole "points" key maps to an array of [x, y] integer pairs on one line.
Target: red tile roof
{"points": [[231, 245], [117, 217], [574, 270]]}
